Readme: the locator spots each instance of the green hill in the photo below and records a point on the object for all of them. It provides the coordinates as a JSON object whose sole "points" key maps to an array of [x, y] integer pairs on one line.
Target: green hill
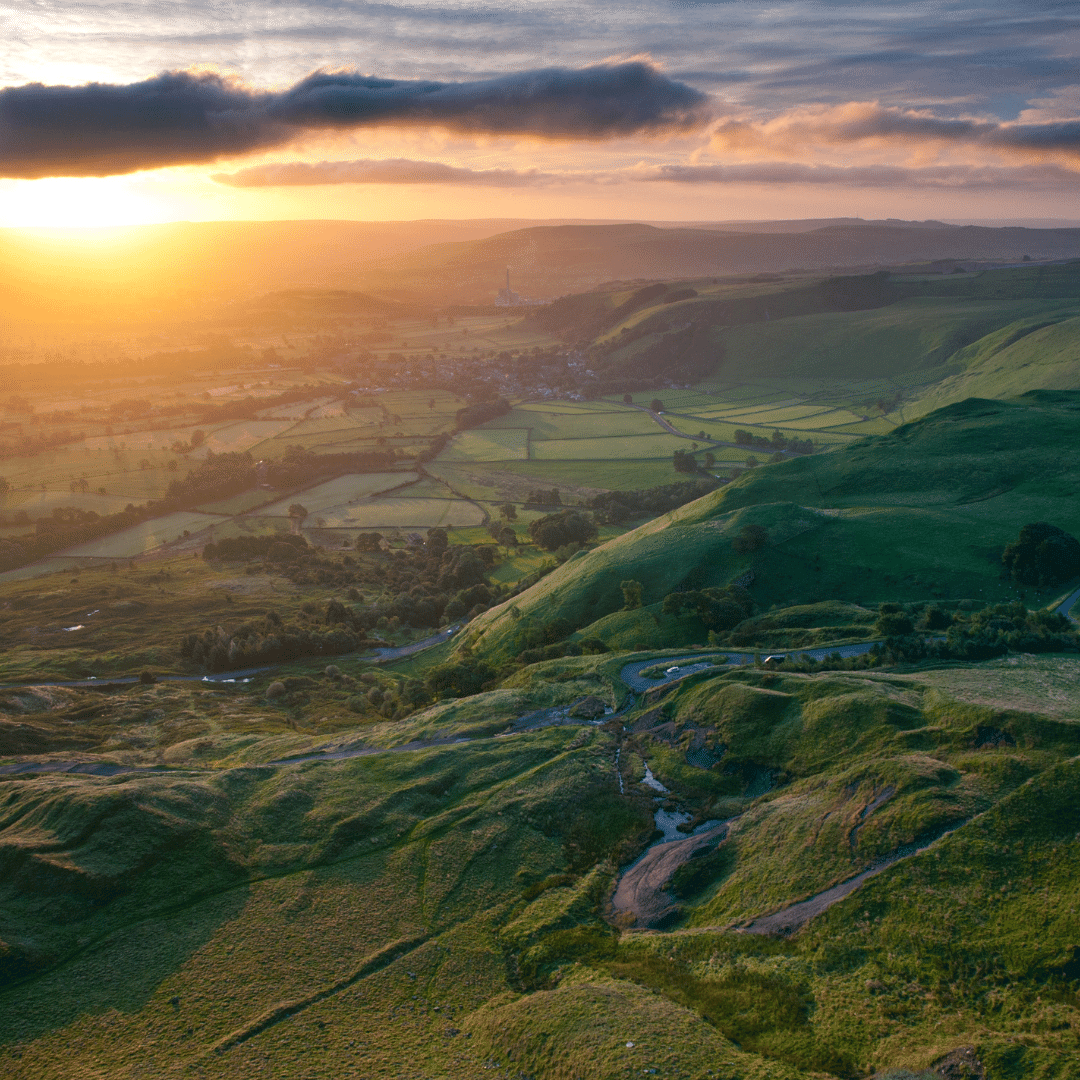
{"points": [[445, 908], [921, 513], [915, 329], [1030, 354]]}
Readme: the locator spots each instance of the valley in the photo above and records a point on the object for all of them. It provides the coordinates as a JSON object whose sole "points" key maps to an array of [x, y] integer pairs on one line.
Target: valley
{"points": [[672, 679]]}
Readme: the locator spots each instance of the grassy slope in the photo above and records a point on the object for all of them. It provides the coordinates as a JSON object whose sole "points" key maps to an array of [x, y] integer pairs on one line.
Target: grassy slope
{"points": [[919, 513], [439, 912], [1026, 355], [916, 337]]}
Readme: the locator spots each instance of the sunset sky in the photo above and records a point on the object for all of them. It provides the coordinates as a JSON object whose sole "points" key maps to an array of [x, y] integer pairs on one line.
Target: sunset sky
{"points": [[125, 112]]}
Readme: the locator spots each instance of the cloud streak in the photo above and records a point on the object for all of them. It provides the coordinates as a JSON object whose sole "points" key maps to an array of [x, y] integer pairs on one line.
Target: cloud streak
{"points": [[185, 118], [388, 171], [871, 122], [404, 171], [941, 178]]}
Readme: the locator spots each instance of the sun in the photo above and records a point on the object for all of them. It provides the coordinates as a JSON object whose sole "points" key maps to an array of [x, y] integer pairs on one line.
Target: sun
{"points": [[79, 203]]}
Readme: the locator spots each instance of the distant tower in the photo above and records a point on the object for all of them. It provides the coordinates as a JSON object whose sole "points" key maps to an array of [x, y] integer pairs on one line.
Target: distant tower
{"points": [[506, 297]]}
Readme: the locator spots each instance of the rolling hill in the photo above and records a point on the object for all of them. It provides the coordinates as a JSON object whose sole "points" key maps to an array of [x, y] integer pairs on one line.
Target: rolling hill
{"points": [[923, 512]]}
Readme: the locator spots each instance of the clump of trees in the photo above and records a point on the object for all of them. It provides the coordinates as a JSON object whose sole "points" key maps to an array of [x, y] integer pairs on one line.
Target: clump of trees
{"points": [[719, 609], [777, 443], [480, 412], [543, 497], [554, 531], [684, 461], [619, 507], [993, 631], [1043, 554], [271, 642]]}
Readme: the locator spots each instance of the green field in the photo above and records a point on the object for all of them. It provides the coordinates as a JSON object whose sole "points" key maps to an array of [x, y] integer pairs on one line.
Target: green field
{"points": [[564, 422], [139, 539], [488, 444], [612, 447], [391, 512], [339, 492]]}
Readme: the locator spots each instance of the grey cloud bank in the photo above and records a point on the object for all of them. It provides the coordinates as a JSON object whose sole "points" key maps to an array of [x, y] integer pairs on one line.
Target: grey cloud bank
{"points": [[179, 118]]}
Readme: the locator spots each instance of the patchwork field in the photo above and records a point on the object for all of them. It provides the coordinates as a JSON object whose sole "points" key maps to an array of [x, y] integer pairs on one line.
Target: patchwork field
{"points": [[488, 444], [140, 539], [402, 513], [339, 492]]}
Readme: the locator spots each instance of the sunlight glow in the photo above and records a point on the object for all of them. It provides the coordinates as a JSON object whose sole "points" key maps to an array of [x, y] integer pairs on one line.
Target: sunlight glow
{"points": [[75, 202]]}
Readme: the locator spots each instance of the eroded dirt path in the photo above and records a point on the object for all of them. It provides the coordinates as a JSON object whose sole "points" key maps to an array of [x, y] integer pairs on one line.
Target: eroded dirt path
{"points": [[641, 892]]}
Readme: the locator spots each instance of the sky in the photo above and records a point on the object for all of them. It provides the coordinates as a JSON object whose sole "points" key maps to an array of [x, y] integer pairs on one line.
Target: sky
{"points": [[132, 111]]}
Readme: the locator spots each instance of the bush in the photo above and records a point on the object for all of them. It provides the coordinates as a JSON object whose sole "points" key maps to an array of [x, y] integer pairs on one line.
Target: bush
{"points": [[275, 690]]}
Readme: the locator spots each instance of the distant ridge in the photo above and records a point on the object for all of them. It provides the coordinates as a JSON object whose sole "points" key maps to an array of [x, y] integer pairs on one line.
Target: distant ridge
{"points": [[144, 273]]}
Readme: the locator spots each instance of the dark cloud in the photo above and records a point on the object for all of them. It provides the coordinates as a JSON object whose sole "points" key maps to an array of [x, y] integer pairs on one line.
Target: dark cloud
{"points": [[388, 171], [184, 118]]}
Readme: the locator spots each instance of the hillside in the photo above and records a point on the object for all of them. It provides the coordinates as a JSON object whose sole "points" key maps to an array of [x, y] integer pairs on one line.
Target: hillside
{"points": [[143, 274], [551, 260], [915, 329], [203, 877], [923, 512]]}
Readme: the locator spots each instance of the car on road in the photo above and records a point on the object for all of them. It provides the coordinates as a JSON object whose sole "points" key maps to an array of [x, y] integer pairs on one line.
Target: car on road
{"points": [[673, 670]]}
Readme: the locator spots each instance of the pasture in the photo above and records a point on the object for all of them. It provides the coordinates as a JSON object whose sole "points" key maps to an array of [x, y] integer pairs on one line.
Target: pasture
{"points": [[339, 492], [488, 444], [609, 447], [145, 537], [401, 513]]}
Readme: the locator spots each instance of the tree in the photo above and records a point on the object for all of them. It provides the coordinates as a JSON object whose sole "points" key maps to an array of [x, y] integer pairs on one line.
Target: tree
{"points": [[5, 485], [683, 460], [1042, 555], [507, 537], [710, 460], [508, 511], [197, 439], [656, 405], [631, 591], [628, 399], [437, 541]]}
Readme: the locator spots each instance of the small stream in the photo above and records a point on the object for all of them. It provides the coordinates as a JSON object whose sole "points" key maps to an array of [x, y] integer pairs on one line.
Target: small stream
{"points": [[668, 821]]}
